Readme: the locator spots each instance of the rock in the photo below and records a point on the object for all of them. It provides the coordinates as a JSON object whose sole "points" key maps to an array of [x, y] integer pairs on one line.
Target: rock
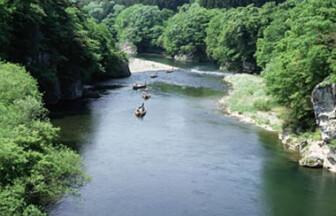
{"points": [[90, 92], [124, 71], [185, 58], [314, 154], [324, 103], [292, 143], [120, 70], [312, 162], [71, 89], [330, 160], [51, 90]]}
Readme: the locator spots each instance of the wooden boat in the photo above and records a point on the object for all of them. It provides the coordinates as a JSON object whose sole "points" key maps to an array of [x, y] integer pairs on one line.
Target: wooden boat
{"points": [[146, 96], [137, 86], [170, 71], [153, 76], [140, 112]]}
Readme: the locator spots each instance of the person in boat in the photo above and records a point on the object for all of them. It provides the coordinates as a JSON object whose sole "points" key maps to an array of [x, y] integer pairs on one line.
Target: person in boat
{"points": [[142, 107]]}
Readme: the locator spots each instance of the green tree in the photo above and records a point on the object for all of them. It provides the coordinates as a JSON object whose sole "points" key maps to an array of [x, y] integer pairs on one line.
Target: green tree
{"points": [[302, 58], [54, 40], [232, 3], [35, 170], [232, 36], [170, 4], [141, 25], [186, 31]]}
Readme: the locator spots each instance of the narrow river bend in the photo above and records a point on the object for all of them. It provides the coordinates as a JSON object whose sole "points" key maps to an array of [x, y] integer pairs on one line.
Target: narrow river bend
{"points": [[185, 158]]}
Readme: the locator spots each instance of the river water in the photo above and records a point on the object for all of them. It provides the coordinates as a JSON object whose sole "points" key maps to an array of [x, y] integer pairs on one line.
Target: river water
{"points": [[185, 158]]}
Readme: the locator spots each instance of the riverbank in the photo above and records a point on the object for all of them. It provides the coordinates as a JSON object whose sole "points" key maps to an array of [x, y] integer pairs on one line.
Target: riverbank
{"points": [[248, 102], [138, 65]]}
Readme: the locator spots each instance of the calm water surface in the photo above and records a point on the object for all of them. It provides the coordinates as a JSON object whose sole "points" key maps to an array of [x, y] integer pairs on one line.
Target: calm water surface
{"points": [[185, 158]]}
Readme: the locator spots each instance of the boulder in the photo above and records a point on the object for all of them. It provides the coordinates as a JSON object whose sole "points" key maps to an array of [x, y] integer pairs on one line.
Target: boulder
{"points": [[186, 58], [122, 72], [311, 162], [324, 103]]}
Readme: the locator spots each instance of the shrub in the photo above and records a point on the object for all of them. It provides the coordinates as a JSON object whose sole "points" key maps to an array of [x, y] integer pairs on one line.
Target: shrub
{"points": [[35, 170]]}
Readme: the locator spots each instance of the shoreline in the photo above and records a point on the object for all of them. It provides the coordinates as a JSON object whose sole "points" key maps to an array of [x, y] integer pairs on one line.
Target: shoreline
{"points": [[314, 153], [138, 65]]}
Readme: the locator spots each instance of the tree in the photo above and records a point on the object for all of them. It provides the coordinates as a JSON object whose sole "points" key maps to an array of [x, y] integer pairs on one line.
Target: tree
{"points": [[232, 3], [141, 25], [35, 31], [170, 4], [186, 31], [232, 36], [303, 57], [35, 170]]}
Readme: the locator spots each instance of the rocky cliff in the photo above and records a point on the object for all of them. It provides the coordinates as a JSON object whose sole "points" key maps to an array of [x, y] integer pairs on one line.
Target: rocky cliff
{"points": [[319, 153], [58, 89], [324, 102]]}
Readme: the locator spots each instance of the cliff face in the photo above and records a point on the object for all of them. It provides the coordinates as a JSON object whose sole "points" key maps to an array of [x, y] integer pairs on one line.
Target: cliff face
{"points": [[324, 102], [320, 153], [71, 88]]}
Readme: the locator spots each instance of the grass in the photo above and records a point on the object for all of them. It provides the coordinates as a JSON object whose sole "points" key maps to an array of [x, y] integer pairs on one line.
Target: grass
{"points": [[249, 98]]}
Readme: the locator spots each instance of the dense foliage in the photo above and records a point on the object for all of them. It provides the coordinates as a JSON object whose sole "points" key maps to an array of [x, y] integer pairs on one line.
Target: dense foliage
{"points": [[232, 36], [232, 3], [34, 170], [303, 57], [186, 31], [141, 25], [170, 4], [55, 41], [100, 9]]}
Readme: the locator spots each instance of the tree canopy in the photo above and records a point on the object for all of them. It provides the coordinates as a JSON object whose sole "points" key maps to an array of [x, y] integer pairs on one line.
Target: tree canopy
{"points": [[186, 31], [303, 56], [232, 3], [232, 36], [56, 41], [141, 25]]}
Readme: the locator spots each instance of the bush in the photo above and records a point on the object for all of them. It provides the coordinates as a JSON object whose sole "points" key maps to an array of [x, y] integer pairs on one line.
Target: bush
{"points": [[35, 170]]}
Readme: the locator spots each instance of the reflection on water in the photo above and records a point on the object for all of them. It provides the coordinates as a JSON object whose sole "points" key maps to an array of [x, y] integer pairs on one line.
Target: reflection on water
{"points": [[184, 158]]}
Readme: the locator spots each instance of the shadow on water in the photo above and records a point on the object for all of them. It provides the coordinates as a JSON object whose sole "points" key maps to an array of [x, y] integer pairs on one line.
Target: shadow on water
{"points": [[74, 120], [289, 189], [185, 90]]}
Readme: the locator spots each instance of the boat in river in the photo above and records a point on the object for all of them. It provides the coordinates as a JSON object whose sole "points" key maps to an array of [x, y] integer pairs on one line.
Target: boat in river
{"points": [[153, 76], [141, 111], [146, 95], [170, 70], [137, 86]]}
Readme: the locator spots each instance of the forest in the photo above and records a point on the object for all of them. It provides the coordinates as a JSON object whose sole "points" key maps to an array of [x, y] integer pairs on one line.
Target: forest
{"points": [[51, 49]]}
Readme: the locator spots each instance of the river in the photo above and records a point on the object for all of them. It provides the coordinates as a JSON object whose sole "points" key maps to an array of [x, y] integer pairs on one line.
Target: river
{"points": [[185, 158]]}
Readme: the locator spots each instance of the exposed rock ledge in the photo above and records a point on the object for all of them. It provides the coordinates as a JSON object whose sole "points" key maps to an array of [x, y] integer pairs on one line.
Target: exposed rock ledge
{"points": [[313, 153]]}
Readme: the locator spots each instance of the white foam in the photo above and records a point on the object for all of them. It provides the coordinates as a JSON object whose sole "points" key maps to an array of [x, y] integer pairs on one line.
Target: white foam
{"points": [[210, 73]]}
